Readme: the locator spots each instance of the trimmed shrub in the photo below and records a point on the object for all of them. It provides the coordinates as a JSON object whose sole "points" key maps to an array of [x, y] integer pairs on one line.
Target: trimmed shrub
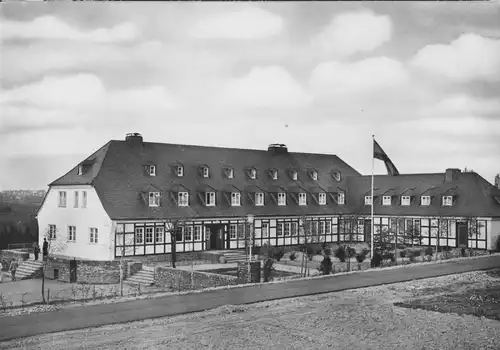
{"points": [[351, 252], [326, 266], [268, 269], [278, 254], [463, 252], [377, 259], [293, 256], [341, 254], [429, 252], [360, 257]]}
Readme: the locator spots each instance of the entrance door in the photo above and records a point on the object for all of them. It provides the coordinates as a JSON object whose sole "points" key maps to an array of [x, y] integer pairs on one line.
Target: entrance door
{"points": [[216, 237], [72, 271], [368, 230], [462, 234]]}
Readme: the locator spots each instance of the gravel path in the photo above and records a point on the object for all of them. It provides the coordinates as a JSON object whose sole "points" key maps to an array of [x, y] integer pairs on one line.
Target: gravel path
{"points": [[354, 319]]}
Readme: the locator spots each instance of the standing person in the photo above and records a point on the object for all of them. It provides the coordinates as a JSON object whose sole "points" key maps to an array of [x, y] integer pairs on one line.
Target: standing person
{"points": [[13, 268], [36, 250], [45, 248]]}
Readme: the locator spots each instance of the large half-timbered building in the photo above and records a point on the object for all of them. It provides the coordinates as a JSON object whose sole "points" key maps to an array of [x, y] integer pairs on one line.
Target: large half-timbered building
{"points": [[123, 199]]}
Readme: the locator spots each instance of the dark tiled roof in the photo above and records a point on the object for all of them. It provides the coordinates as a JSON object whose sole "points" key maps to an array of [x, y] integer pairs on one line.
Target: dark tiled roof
{"points": [[119, 178], [474, 195]]}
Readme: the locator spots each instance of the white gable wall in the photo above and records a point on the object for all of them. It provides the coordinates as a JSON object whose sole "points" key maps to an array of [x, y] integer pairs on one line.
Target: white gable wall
{"points": [[93, 216]]}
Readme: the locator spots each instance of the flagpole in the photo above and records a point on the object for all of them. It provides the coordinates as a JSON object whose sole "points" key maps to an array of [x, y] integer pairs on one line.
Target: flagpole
{"points": [[372, 222]]}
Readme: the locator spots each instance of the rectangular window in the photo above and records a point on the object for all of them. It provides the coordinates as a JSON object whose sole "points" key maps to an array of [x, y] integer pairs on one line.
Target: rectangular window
{"points": [[210, 199], [259, 199], [149, 235], [265, 230], [274, 174], [405, 200], [84, 199], [368, 200], [154, 199], [321, 227], [233, 231], [302, 199], [72, 233], [253, 173], [62, 199], [235, 199], [179, 234], [80, 169], [314, 175], [230, 173], [197, 233], [93, 235], [152, 170], [279, 229], [294, 175], [52, 231], [75, 204], [322, 199], [180, 171], [341, 198], [159, 235], [183, 199], [139, 235], [425, 200], [287, 229], [206, 172], [447, 200], [281, 198], [188, 234], [328, 227], [386, 200], [241, 231], [294, 228]]}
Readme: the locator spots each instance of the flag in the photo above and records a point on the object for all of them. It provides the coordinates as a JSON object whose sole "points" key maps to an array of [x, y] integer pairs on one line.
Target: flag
{"points": [[379, 153]]}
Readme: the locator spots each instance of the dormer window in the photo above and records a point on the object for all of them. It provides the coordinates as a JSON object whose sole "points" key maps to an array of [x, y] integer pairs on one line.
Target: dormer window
{"points": [[314, 174], [274, 174], [294, 175], [336, 175], [425, 200], [230, 173], [253, 173], [210, 199], [447, 201], [183, 199], [281, 198], [341, 198], [259, 199], [154, 199], [152, 170], [205, 171], [405, 200], [302, 198], [235, 199], [180, 170], [80, 169], [368, 200], [386, 200], [322, 198]]}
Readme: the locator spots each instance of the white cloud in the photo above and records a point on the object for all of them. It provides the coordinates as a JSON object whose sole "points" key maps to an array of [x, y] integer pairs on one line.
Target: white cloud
{"points": [[461, 105], [462, 128], [270, 86], [242, 23], [353, 32], [371, 74], [470, 57], [49, 27]]}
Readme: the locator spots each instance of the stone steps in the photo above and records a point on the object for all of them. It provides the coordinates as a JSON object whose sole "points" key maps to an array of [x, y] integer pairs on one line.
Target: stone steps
{"points": [[29, 269], [145, 276], [235, 256]]}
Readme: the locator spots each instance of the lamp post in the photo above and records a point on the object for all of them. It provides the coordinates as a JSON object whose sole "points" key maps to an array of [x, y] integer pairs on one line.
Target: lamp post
{"points": [[249, 242]]}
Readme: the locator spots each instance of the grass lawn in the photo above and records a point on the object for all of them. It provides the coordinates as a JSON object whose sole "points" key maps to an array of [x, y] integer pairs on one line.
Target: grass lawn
{"points": [[479, 302], [233, 272]]}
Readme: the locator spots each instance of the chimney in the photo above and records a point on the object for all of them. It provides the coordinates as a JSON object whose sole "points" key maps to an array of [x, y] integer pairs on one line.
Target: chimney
{"points": [[452, 174], [134, 139], [277, 148]]}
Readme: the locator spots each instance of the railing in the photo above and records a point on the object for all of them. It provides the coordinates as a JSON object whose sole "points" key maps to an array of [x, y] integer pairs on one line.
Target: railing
{"points": [[20, 246]]}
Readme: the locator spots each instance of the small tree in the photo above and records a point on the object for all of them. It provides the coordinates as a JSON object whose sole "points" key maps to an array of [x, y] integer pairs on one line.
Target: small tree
{"points": [[55, 245]]}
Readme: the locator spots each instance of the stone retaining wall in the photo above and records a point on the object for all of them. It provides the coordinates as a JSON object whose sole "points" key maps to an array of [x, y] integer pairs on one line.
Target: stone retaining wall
{"points": [[87, 271], [187, 280]]}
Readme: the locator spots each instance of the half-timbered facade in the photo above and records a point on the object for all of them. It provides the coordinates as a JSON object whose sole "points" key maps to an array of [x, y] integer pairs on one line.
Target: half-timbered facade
{"points": [[129, 196]]}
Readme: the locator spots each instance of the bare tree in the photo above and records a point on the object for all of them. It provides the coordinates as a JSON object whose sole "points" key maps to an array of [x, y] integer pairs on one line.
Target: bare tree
{"points": [[56, 244]]}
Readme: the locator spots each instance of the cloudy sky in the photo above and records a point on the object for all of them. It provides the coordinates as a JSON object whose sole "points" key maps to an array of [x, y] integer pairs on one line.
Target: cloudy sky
{"points": [[319, 77]]}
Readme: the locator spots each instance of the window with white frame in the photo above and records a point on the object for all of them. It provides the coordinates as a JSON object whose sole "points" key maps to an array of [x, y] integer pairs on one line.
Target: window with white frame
{"points": [[230, 173], [241, 231], [447, 200], [253, 173], [152, 170], [180, 170], [75, 204], [295, 176], [281, 198], [233, 231], [154, 199], [259, 199], [183, 199], [84, 199], [62, 199], [302, 198], [210, 199], [294, 228], [314, 175], [52, 231], [71, 233], [93, 235], [188, 234], [179, 233], [265, 230], [405, 200], [274, 174], [197, 232], [235, 199], [368, 200], [206, 171], [139, 235], [386, 200], [80, 169], [425, 200], [149, 235], [341, 198], [159, 234], [322, 198]]}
